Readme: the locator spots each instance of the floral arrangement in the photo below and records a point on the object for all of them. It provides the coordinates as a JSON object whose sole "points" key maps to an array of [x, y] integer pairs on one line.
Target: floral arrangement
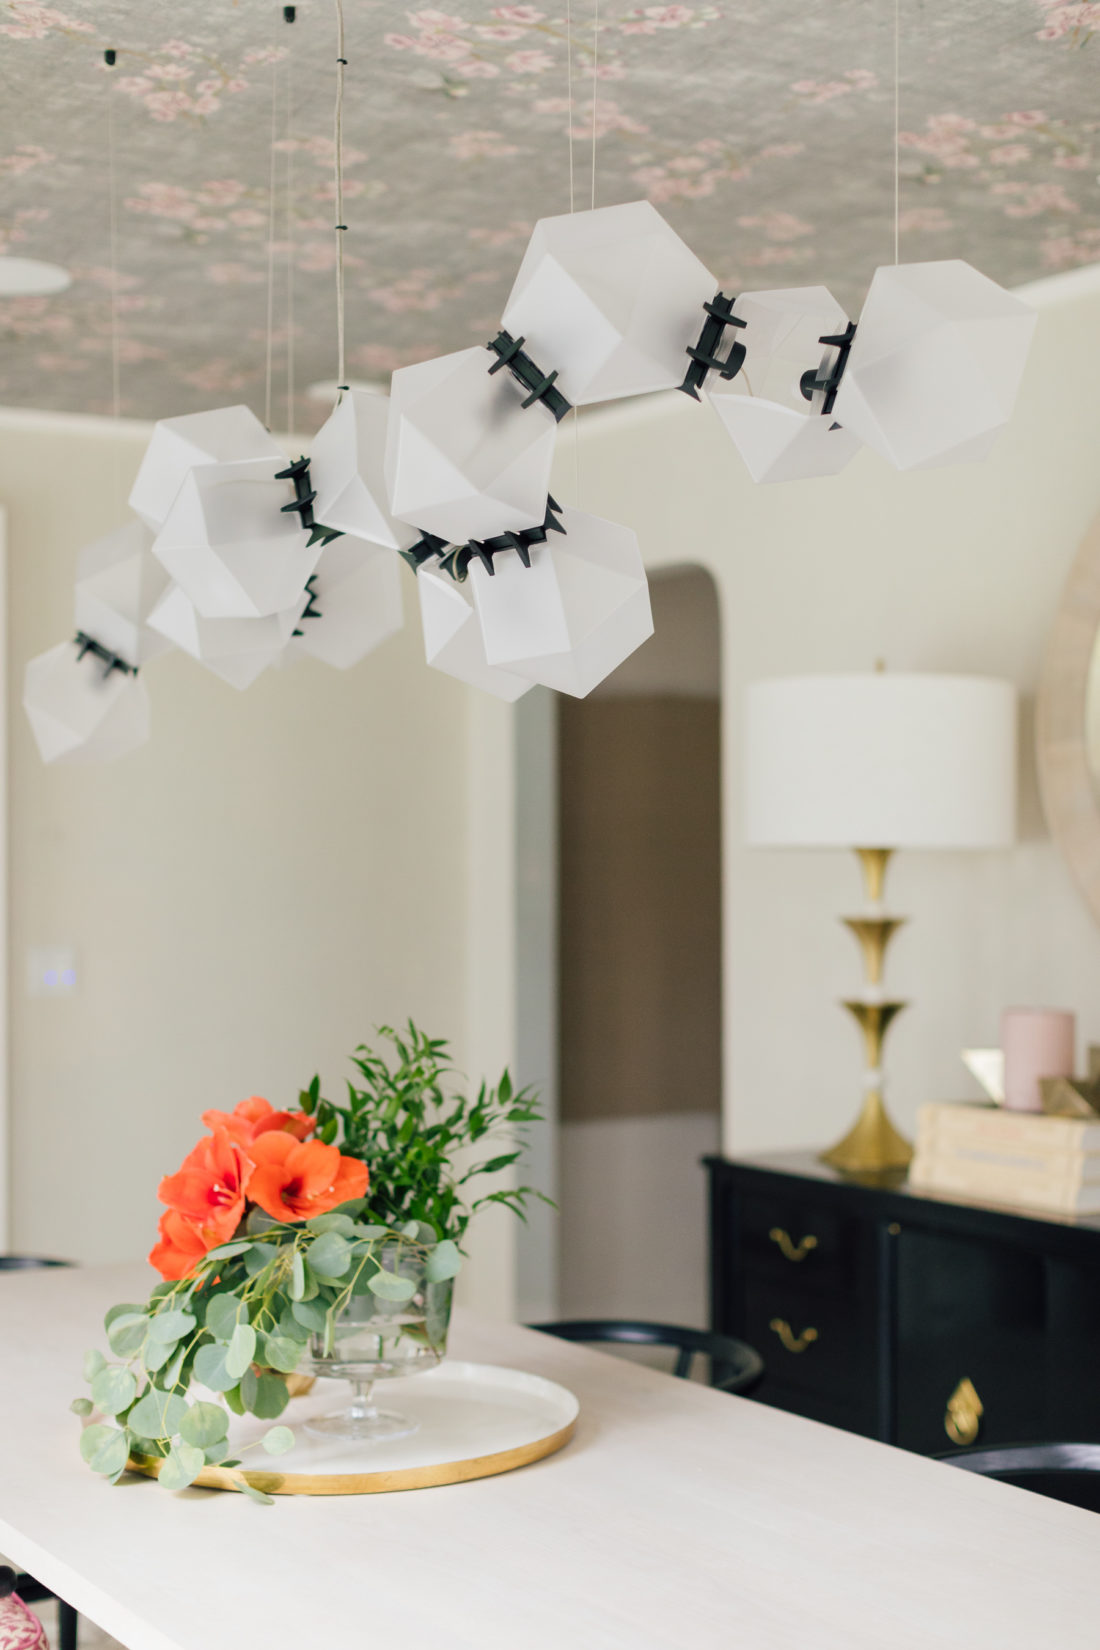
{"points": [[272, 1224]]}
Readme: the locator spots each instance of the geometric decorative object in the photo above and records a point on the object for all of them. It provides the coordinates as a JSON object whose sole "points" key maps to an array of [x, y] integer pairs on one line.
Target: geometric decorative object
{"points": [[355, 603], [575, 614], [82, 710], [118, 583], [611, 300], [237, 650], [879, 762], [346, 468], [464, 458], [935, 365], [775, 408], [453, 641], [232, 542], [177, 445]]}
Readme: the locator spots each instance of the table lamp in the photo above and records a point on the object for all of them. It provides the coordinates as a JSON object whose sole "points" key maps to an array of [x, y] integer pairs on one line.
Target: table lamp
{"points": [[874, 763]]}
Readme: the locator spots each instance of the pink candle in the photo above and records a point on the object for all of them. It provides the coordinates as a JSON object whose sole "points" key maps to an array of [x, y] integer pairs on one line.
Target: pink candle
{"points": [[1037, 1042]]}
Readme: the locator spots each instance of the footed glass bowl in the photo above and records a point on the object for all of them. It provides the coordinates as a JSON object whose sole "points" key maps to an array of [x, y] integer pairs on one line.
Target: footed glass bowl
{"points": [[375, 1338]]}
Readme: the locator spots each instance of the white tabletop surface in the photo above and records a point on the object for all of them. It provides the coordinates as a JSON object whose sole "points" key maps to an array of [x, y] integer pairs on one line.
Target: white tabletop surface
{"points": [[678, 1519]]}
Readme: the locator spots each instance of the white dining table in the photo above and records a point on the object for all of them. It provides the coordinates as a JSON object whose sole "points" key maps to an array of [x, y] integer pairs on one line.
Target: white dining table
{"points": [[678, 1518]]}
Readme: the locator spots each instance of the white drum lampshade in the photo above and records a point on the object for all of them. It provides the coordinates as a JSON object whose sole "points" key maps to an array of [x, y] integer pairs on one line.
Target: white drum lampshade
{"points": [[881, 761], [875, 763]]}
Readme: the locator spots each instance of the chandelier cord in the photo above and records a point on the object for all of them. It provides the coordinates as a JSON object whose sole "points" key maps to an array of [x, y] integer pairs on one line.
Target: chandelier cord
{"points": [[290, 241], [897, 132], [270, 340], [340, 226], [595, 83], [569, 100], [110, 58]]}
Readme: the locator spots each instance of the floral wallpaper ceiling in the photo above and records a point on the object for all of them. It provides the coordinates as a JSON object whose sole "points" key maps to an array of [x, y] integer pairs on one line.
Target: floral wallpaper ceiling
{"points": [[763, 133]]}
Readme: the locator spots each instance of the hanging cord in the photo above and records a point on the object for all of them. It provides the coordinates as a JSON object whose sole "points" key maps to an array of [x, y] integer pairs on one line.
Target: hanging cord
{"points": [[595, 83], [569, 100], [289, 234], [110, 57], [340, 226], [897, 128], [270, 346]]}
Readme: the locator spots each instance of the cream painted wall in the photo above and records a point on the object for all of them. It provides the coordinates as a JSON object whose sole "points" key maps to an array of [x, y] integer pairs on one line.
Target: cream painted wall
{"points": [[274, 874], [953, 570]]}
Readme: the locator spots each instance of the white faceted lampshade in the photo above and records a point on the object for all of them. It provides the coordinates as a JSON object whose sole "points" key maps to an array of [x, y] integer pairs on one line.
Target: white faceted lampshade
{"points": [[575, 614], [881, 761], [780, 435], [464, 458], [357, 593], [346, 468], [230, 547], [118, 583], [223, 436], [934, 371], [611, 300], [452, 638], [237, 650], [80, 713]]}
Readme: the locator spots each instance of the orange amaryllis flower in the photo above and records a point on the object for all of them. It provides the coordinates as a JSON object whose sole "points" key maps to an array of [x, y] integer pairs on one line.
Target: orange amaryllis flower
{"points": [[292, 1180], [182, 1245], [256, 1116], [209, 1187]]}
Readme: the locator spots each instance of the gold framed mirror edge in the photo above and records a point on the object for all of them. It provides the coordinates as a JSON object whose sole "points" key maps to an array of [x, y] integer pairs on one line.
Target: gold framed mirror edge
{"points": [[1067, 788]]}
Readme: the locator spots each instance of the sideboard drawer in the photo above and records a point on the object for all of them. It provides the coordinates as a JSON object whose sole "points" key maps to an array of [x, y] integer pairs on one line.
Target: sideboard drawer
{"points": [[799, 1242], [810, 1341]]}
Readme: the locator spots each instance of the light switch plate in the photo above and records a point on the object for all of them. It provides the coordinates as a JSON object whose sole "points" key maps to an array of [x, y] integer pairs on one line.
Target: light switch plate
{"points": [[51, 971]]}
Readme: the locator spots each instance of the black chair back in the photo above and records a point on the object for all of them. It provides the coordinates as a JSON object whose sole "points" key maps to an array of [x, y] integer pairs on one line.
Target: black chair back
{"points": [[25, 1263], [734, 1366], [1064, 1472]]}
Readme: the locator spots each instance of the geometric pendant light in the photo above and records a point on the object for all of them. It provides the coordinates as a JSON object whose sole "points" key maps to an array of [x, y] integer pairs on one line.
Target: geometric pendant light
{"points": [[935, 365], [453, 641], [610, 300], [778, 410], [82, 708], [177, 445], [118, 583], [237, 650], [354, 603], [346, 470]]}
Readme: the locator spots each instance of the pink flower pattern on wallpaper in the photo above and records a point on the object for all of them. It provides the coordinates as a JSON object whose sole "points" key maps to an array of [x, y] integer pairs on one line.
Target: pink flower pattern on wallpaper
{"points": [[765, 137]]}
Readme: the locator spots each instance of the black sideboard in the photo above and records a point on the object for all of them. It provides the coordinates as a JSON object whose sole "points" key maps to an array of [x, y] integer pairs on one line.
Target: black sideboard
{"points": [[914, 1319]]}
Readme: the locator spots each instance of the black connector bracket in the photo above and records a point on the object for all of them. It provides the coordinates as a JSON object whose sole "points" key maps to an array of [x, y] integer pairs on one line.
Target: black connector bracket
{"points": [[510, 353], [704, 353], [811, 383], [112, 661], [302, 503]]}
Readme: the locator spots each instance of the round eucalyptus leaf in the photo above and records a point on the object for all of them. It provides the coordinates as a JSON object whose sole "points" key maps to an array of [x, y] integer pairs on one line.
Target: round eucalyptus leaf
{"points": [[203, 1425], [329, 1255], [157, 1414], [105, 1448], [94, 1361], [81, 1406], [170, 1325], [223, 1314], [334, 1221], [443, 1262], [281, 1353], [297, 1276], [113, 1389], [265, 1395], [389, 1286], [125, 1311], [181, 1466], [157, 1354], [242, 1350], [127, 1333], [210, 1368], [253, 1493], [310, 1314], [277, 1440]]}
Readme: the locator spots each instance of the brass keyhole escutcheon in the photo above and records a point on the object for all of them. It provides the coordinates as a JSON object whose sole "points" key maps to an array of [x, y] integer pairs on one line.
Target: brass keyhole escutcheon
{"points": [[791, 1341], [963, 1419], [788, 1248]]}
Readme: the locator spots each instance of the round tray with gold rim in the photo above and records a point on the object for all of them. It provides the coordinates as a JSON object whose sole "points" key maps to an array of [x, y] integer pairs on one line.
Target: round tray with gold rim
{"points": [[475, 1420]]}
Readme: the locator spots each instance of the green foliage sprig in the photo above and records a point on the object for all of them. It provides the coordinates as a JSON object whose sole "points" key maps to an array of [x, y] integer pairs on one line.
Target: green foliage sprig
{"points": [[401, 1120], [237, 1324]]}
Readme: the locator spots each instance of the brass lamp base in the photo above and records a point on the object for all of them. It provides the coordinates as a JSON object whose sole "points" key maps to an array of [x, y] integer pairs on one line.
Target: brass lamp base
{"points": [[872, 1146]]}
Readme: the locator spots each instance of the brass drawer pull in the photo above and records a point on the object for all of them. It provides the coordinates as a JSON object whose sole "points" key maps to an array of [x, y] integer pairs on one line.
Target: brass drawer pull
{"points": [[792, 1342], [963, 1419], [787, 1248]]}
